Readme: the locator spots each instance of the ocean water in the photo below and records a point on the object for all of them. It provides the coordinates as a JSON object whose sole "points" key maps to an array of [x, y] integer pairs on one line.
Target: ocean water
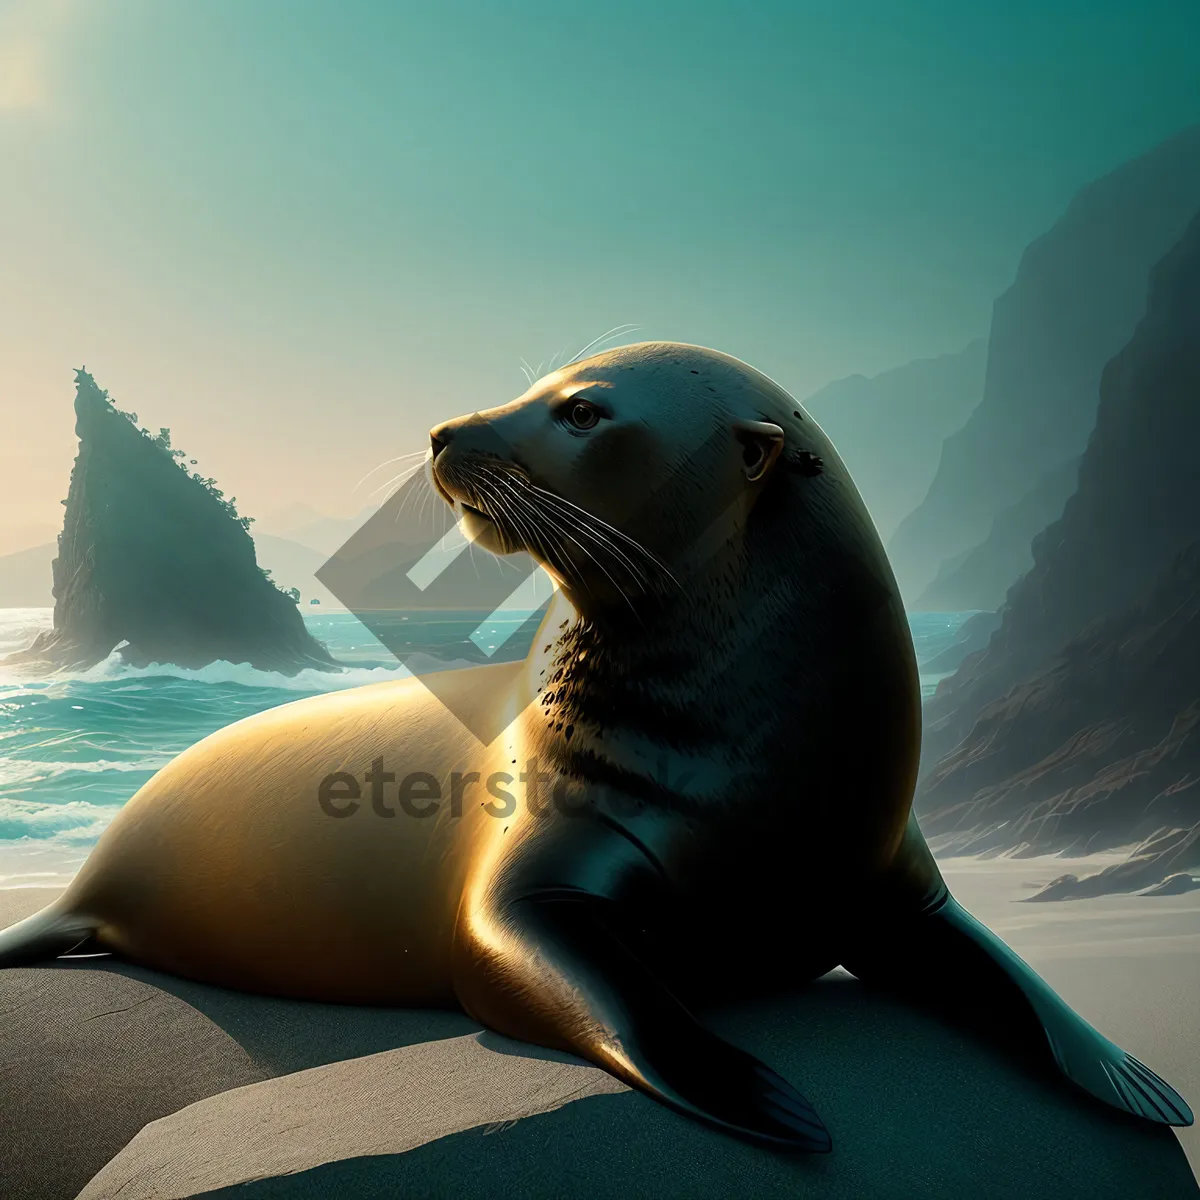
{"points": [[74, 747]]}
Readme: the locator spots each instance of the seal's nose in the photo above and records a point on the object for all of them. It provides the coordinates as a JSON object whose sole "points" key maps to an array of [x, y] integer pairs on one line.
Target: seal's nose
{"points": [[439, 438]]}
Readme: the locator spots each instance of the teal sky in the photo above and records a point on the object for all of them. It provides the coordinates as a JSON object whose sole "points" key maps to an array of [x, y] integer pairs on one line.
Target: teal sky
{"points": [[300, 233]]}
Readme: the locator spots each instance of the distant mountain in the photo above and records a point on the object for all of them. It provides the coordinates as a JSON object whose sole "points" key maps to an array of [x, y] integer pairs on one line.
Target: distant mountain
{"points": [[283, 522], [305, 526], [293, 565], [889, 428], [25, 579], [1078, 726], [980, 579], [1078, 294], [17, 536], [372, 570], [155, 562]]}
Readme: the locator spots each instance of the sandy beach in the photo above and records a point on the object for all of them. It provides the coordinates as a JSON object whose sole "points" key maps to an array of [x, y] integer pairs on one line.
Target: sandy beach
{"points": [[919, 1110]]}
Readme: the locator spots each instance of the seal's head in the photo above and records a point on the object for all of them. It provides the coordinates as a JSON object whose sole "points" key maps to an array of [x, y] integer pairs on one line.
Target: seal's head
{"points": [[626, 471], [736, 611]]}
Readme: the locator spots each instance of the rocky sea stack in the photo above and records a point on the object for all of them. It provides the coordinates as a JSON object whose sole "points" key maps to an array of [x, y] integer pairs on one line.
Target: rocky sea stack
{"points": [[154, 562]]}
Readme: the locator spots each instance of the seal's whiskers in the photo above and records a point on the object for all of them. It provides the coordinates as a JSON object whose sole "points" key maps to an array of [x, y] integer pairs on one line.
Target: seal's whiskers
{"points": [[387, 463], [563, 522], [598, 525], [562, 532], [397, 481], [507, 508], [534, 525], [615, 331], [597, 536]]}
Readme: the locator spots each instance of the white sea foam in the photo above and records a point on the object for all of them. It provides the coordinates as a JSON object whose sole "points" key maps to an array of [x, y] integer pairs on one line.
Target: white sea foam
{"points": [[114, 668], [308, 680], [19, 626], [69, 822], [26, 770]]}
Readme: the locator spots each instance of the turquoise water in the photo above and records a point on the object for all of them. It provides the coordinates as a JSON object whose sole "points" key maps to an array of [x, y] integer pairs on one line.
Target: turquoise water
{"points": [[75, 747]]}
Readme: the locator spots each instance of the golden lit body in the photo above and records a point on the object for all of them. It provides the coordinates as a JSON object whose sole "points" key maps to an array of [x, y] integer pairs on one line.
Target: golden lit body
{"points": [[225, 868]]}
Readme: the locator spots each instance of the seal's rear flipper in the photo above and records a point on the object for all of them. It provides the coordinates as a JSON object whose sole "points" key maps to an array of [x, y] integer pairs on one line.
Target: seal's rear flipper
{"points": [[43, 936], [562, 975], [945, 956]]}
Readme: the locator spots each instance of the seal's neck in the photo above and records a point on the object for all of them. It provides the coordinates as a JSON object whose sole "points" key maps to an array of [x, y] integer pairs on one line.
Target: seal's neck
{"points": [[687, 700], [778, 634]]}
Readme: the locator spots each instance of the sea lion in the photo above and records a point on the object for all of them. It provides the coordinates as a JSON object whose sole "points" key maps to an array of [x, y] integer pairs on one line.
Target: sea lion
{"points": [[716, 734]]}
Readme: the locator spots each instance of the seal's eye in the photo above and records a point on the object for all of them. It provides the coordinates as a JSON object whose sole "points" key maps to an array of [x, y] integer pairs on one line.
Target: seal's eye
{"points": [[582, 415]]}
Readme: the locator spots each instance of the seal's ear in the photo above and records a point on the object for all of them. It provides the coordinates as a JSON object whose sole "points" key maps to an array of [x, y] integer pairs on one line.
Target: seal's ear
{"points": [[761, 444]]}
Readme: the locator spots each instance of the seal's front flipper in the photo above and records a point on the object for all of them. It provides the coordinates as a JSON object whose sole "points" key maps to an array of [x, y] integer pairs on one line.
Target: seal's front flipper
{"points": [[947, 957], [558, 971]]}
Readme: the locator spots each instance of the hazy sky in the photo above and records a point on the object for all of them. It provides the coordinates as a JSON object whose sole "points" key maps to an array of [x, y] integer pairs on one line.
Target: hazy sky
{"points": [[299, 233]]}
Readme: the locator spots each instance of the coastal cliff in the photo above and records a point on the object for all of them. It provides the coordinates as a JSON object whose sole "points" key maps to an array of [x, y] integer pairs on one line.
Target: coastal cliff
{"points": [[1078, 726], [889, 428], [1078, 294], [980, 579], [155, 562]]}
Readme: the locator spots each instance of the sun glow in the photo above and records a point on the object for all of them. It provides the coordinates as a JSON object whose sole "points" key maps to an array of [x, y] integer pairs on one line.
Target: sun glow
{"points": [[27, 34]]}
